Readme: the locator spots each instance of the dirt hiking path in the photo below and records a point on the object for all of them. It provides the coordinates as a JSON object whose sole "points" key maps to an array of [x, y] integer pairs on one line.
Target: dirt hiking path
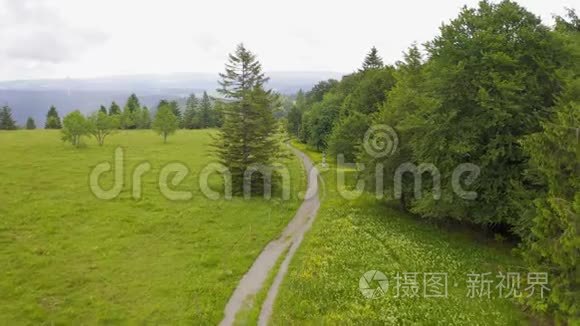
{"points": [[292, 236]]}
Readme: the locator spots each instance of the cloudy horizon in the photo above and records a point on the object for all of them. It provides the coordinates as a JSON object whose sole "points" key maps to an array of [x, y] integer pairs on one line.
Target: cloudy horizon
{"points": [[71, 39]]}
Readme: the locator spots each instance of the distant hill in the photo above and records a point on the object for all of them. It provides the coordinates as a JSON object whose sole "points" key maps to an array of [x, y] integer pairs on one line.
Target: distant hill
{"points": [[34, 97]]}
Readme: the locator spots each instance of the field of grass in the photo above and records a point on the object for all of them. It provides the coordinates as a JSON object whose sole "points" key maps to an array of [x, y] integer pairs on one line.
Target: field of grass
{"points": [[350, 238], [67, 257]]}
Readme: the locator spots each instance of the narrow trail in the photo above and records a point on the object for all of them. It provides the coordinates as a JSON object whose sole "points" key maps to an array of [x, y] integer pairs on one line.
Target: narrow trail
{"points": [[292, 236]]}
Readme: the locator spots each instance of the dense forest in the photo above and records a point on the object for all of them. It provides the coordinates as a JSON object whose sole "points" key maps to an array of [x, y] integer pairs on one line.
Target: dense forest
{"points": [[496, 88]]}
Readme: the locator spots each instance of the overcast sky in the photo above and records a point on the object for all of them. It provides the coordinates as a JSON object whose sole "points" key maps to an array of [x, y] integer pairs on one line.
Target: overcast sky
{"points": [[72, 38]]}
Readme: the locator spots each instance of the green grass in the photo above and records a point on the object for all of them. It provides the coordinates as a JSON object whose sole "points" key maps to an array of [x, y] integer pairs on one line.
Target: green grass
{"points": [[352, 237], [67, 257]]}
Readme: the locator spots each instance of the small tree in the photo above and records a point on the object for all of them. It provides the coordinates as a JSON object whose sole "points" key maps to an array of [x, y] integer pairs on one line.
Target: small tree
{"points": [[30, 124], [52, 119], [145, 121], [372, 60], [103, 109], [114, 109], [74, 127], [100, 125], [165, 122], [6, 120]]}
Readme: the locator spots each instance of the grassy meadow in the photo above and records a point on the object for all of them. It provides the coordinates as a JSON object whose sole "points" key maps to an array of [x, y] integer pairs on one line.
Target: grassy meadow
{"points": [[67, 257], [352, 237]]}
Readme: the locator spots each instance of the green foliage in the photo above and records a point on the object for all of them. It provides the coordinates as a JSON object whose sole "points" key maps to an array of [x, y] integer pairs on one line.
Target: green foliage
{"points": [[553, 241], [404, 100], [100, 125], [52, 119], [74, 126], [369, 91], [483, 95], [346, 136], [165, 122], [30, 124], [248, 136], [103, 109], [330, 102], [6, 120]]}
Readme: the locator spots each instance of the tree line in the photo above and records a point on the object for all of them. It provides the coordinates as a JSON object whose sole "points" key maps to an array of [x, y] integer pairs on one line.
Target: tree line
{"points": [[198, 113], [496, 88]]}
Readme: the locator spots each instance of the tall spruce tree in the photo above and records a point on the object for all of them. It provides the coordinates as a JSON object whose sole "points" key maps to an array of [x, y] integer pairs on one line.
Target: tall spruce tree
{"points": [[6, 120], [177, 112], [132, 103], [190, 116], [295, 114], [52, 119], [145, 121], [205, 114], [247, 137], [372, 60]]}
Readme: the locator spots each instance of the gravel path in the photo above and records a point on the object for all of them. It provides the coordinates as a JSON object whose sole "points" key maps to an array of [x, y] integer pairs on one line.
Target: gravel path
{"points": [[292, 236]]}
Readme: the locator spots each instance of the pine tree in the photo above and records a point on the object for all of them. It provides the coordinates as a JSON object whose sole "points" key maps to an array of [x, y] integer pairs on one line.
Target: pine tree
{"points": [[6, 120], [372, 60], [114, 109], [30, 124], [177, 112], [103, 109], [295, 114], [52, 119], [132, 104], [248, 135], [190, 118], [131, 113], [205, 111], [145, 121]]}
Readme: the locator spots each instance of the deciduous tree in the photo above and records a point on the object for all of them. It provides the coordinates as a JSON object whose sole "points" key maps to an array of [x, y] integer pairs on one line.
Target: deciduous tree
{"points": [[100, 125], [165, 122], [75, 126]]}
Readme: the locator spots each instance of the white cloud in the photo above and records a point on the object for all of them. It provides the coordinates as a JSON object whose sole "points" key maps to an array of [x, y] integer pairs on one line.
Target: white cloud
{"points": [[59, 38]]}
